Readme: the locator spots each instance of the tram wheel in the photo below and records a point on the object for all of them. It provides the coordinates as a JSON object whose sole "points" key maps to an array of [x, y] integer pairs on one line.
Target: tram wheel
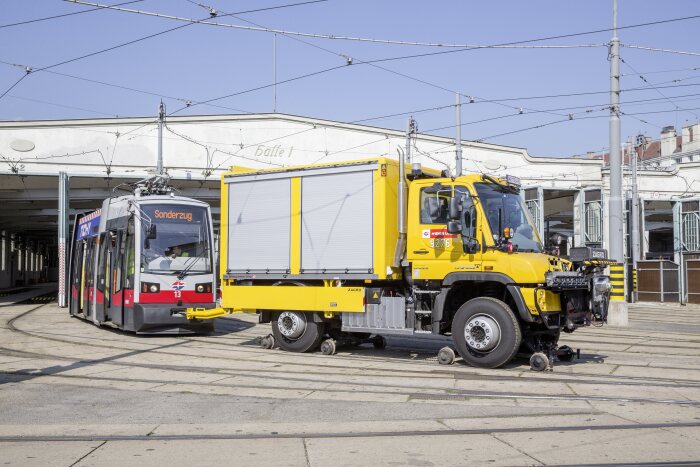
{"points": [[486, 332], [294, 331]]}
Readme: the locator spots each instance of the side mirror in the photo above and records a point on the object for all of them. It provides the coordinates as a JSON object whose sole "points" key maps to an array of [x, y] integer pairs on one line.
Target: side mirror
{"points": [[151, 232], [455, 208], [454, 227]]}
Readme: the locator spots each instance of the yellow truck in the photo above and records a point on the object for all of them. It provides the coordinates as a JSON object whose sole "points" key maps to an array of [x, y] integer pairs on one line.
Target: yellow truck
{"points": [[347, 252]]}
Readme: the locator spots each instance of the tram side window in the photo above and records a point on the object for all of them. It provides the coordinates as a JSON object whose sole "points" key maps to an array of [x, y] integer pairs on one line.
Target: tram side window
{"points": [[118, 262], [90, 267], [102, 264]]}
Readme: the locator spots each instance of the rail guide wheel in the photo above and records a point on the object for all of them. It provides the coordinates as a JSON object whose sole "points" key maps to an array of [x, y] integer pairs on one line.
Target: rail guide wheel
{"points": [[446, 356], [539, 361], [328, 347], [267, 342]]}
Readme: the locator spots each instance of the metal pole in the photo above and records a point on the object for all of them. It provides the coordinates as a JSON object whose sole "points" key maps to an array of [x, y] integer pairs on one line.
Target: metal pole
{"points": [[618, 312], [636, 250], [62, 236], [615, 206], [402, 178], [161, 119], [274, 73], [458, 155]]}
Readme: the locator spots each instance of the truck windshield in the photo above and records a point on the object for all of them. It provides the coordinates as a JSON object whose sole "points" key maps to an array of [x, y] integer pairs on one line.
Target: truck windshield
{"points": [[181, 240], [498, 203]]}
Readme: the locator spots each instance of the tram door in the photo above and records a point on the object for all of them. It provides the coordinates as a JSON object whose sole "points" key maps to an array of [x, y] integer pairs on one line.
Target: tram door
{"points": [[114, 294], [80, 276]]}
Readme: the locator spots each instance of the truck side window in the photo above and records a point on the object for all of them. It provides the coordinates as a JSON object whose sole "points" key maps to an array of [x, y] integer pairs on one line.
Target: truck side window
{"points": [[467, 205], [434, 207]]}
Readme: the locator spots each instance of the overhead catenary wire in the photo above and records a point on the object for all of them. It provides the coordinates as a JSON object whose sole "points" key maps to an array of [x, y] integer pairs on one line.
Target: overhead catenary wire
{"points": [[37, 20], [184, 100], [651, 85], [497, 135], [390, 41], [134, 41], [655, 49], [350, 60], [427, 54]]}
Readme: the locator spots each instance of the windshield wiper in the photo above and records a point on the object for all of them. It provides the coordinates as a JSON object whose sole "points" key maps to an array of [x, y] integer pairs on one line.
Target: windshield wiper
{"points": [[192, 261]]}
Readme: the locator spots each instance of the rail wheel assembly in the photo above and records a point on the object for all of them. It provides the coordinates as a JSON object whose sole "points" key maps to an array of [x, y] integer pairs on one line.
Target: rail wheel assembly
{"points": [[446, 356], [539, 361], [328, 347]]}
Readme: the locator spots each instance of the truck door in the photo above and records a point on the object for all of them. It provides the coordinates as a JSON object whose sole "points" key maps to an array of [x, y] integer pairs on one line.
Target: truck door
{"points": [[433, 251]]}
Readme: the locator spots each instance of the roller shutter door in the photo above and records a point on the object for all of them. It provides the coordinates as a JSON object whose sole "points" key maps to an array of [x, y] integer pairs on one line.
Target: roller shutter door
{"points": [[259, 226], [336, 223]]}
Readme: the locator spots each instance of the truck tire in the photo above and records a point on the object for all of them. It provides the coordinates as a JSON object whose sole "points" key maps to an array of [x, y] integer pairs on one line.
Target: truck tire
{"points": [[486, 332], [294, 332]]}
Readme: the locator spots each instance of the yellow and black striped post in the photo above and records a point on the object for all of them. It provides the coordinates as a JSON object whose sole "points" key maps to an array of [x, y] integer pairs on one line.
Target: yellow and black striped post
{"points": [[617, 281]]}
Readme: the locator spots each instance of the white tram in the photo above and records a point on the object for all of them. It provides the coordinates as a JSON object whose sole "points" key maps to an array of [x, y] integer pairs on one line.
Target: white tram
{"points": [[142, 259]]}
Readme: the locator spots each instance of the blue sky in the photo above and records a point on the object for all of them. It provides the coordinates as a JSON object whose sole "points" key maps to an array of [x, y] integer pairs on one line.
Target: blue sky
{"points": [[200, 62]]}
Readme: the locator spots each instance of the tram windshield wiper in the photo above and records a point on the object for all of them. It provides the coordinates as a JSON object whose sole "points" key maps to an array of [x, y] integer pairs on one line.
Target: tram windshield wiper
{"points": [[188, 265]]}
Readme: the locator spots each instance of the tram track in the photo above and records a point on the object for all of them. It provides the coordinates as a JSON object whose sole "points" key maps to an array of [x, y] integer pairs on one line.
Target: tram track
{"points": [[352, 434], [321, 377], [442, 394], [627, 380], [354, 358]]}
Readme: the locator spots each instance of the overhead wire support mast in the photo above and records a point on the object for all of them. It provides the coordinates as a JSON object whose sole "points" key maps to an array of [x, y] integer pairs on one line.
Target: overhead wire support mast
{"points": [[458, 151], [161, 121], [617, 314]]}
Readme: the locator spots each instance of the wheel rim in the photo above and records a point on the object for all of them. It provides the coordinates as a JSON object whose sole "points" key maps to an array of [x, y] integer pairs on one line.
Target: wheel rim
{"points": [[291, 324], [482, 333]]}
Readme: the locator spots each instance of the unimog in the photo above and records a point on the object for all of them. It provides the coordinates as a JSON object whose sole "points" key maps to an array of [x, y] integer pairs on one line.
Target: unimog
{"points": [[349, 252]]}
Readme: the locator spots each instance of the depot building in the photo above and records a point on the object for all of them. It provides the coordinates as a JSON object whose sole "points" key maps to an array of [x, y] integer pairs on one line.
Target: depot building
{"points": [[52, 170]]}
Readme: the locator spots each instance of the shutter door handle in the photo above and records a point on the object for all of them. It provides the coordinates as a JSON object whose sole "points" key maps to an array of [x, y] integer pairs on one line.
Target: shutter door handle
{"points": [[420, 252]]}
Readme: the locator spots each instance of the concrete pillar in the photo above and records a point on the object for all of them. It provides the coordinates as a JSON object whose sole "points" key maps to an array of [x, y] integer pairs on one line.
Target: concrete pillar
{"points": [[62, 237], [617, 313]]}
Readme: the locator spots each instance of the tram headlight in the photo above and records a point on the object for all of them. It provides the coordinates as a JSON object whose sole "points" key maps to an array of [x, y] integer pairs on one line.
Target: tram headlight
{"points": [[203, 288], [149, 287]]}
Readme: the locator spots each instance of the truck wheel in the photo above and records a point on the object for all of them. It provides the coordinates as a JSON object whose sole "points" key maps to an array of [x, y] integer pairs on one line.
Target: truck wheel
{"points": [[294, 332], [486, 332]]}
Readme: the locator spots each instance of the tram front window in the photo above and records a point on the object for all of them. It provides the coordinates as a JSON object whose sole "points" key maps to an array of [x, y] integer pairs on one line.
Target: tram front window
{"points": [[181, 240]]}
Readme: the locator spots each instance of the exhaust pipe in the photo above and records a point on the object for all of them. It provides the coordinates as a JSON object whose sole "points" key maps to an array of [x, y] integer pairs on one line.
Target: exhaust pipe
{"points": [[400, 251]]}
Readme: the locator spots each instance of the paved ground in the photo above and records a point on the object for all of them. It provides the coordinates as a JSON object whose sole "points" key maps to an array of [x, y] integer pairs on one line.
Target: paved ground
{"points": [[74, 394]]}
